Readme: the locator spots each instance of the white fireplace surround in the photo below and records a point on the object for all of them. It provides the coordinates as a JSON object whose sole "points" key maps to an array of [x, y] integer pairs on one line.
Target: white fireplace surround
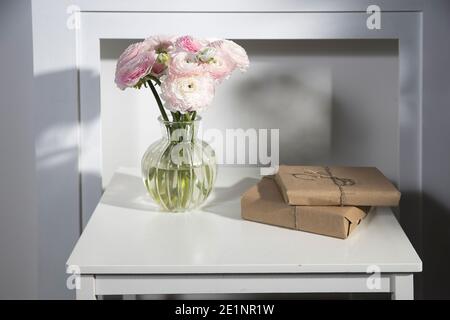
{"points": [[67, 90]]}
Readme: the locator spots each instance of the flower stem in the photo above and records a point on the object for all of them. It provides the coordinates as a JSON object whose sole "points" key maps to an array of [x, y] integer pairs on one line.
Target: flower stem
{"points": [[193, 114], [158, 100], [175, 116]]}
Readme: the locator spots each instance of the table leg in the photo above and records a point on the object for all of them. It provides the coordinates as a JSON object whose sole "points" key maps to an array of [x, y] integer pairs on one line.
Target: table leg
{"points": [[402, 286], [86, 291]]}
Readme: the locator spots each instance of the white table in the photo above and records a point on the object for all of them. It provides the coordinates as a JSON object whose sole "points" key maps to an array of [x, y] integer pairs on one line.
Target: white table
{"points": [[130, 248]]}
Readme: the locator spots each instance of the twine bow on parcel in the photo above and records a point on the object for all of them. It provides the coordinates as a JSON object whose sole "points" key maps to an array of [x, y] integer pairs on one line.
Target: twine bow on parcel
{"points": [[338, 181]]}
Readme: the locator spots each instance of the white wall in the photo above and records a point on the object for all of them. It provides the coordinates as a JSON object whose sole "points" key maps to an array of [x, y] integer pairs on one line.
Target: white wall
{"points": [[18, 211], [333, 101]]}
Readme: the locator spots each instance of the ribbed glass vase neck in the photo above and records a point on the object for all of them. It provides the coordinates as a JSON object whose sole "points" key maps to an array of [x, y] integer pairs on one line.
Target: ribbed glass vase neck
{"points": [[180, 131]]}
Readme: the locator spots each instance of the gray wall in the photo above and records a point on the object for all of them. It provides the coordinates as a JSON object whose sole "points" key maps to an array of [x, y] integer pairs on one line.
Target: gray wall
{"points": [[436, 150], [18, 210]]}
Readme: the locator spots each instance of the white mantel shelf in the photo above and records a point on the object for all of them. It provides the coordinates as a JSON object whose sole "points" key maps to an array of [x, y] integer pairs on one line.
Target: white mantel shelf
{"points": [[127, 235]]}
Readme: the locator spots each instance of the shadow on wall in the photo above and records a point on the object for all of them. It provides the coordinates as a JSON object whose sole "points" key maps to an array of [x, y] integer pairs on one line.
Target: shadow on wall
{"points": [[56, 138], [436, 249], [279, 99], [334, 101]]}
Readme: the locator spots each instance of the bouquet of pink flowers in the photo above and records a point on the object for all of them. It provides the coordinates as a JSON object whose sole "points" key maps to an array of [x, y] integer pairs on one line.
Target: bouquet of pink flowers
{"points": [[187, 70]]}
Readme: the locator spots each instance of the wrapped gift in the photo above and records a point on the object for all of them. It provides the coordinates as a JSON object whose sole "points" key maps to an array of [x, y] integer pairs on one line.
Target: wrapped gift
{"points": [[264, 203], [342, 186]]}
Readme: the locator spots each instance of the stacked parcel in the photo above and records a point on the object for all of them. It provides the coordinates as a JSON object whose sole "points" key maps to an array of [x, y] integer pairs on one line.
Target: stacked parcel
{"points": [[326, 200]]}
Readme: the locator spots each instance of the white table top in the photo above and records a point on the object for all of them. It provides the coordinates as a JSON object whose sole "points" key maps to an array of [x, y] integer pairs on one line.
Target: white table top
{"points": [[128, 235]]}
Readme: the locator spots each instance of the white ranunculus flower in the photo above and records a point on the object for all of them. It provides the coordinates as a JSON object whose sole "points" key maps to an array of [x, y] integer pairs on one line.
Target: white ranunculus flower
{"points": [[184, 63], [188, 93], [235, 51], [220, 67]]}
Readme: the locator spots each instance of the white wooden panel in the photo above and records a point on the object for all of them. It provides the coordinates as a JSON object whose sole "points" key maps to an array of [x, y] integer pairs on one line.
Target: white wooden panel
{"points": [[402, 287], [56, 101], [86, 291], [248, 5], [56, 133], [240, 283], [266, 25]]}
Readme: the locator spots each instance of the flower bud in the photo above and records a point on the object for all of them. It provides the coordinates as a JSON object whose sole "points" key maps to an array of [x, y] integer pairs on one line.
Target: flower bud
{"points": [[163, 58], [206, 55]]}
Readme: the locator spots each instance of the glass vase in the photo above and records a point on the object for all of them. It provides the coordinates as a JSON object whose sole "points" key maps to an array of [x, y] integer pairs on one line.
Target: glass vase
{"points": [[179, 170]]}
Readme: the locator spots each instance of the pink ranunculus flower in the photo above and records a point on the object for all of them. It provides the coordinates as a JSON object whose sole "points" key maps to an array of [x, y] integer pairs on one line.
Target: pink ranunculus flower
{"points": [[163, 47], [131, 52], [220, 67], [188, 93], [134, 64], [189, 44], [235, 51], [158, 69], [184, 63], [161, 43]]}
